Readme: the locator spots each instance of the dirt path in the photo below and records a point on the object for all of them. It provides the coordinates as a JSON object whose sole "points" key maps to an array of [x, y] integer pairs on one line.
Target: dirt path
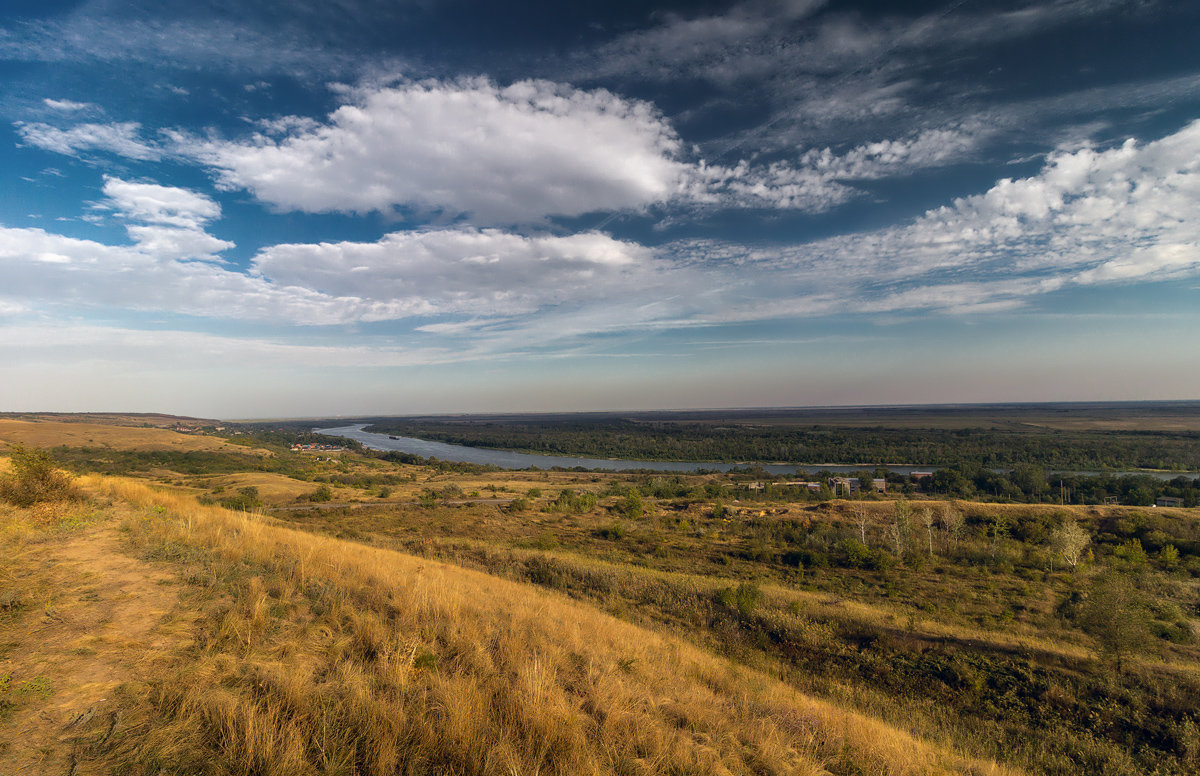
{"points": [[101, 618]]}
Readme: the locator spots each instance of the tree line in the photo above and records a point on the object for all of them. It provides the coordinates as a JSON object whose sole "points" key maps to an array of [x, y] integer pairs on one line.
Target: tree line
{"points": [[685, 441]]}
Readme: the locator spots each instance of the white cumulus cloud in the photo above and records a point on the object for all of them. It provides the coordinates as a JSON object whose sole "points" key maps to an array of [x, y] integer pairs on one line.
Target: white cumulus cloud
{"points": [[175, 219], [507, 154], [157, 204]]}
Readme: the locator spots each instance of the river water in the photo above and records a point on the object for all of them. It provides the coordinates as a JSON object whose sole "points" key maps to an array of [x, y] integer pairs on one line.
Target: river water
{"points": [[506, 459]]}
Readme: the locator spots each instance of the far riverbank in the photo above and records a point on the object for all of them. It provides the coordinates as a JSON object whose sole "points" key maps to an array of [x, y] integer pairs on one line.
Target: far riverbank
{"points": [[508, 459]]}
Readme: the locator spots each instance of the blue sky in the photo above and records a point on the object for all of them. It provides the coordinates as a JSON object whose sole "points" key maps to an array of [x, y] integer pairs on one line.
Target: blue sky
{"points": [[311, 208]]}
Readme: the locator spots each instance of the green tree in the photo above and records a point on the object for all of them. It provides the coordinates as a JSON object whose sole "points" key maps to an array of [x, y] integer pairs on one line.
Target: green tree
{"points": [[997, 529], [1132, 553], [1030, 479], [632, 506], [1114, 615]]}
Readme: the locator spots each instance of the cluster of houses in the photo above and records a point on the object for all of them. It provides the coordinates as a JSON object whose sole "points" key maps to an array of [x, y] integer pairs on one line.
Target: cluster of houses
{"points": [[181, 428], [317, 448], [841, 486]]}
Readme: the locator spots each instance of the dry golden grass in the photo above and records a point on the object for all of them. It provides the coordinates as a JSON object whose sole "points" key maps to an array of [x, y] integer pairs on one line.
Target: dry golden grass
{"points": [[828, 607], [72, 434], [113, 418], [273, 489], [79, 618], [321, 656]]}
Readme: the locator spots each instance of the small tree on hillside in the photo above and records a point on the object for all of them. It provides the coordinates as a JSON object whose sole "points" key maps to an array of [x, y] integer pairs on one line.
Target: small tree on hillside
{"points": [[898, 529], [998, 529], [860, 517], [952, 522], [927, 520], [1069, 541], [34, 479], [1114, 615]]}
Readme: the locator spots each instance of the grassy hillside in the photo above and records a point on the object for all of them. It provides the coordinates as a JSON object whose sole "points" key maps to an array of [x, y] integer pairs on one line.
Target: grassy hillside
{"points": [[312, 655], [100, 436], [978, 651], [421, 620]]}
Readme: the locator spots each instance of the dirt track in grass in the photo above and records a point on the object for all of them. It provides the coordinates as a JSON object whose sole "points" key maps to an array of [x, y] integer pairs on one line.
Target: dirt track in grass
{"points": [[92, 618]]}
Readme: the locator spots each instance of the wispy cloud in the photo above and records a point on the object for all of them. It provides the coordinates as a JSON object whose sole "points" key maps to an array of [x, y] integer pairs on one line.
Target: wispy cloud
{"points": [[828, 77], [486, 272], [123, 346], [123, 139], [209, 45], [821, 179], [68, 106], [1089, 217]]}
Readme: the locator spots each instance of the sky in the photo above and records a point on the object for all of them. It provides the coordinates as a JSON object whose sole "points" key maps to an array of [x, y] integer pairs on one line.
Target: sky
{"points": [[281, 208]]}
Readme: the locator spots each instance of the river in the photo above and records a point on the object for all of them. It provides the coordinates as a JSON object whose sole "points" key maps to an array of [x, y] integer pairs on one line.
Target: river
{"points": [[506, 459]]}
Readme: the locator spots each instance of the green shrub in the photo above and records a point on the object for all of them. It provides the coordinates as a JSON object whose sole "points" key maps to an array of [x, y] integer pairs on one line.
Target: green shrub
{"points": [[246, 499], [322, 493], [570, 501], [34, 479], [614, 531], [858, 555], [745, 597]]}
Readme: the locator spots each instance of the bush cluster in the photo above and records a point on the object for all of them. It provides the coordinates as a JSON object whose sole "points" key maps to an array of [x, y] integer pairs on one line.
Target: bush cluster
{"points": [[34, 479]]}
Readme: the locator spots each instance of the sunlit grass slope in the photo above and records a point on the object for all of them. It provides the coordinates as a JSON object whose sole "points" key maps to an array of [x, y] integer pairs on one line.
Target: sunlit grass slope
{"points": [[47, 433], [320, 656]]}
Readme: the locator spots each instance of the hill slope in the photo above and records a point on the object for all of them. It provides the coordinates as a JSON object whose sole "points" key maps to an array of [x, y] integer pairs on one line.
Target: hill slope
{"points": [[312, 655]]}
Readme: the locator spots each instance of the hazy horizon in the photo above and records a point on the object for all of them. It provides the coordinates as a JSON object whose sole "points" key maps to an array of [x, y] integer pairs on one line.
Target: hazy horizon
{"points": [[733, 410]]}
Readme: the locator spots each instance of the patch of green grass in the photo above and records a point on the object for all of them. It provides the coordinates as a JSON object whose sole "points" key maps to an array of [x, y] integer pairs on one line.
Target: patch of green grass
{"points": [[38, 688]]}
